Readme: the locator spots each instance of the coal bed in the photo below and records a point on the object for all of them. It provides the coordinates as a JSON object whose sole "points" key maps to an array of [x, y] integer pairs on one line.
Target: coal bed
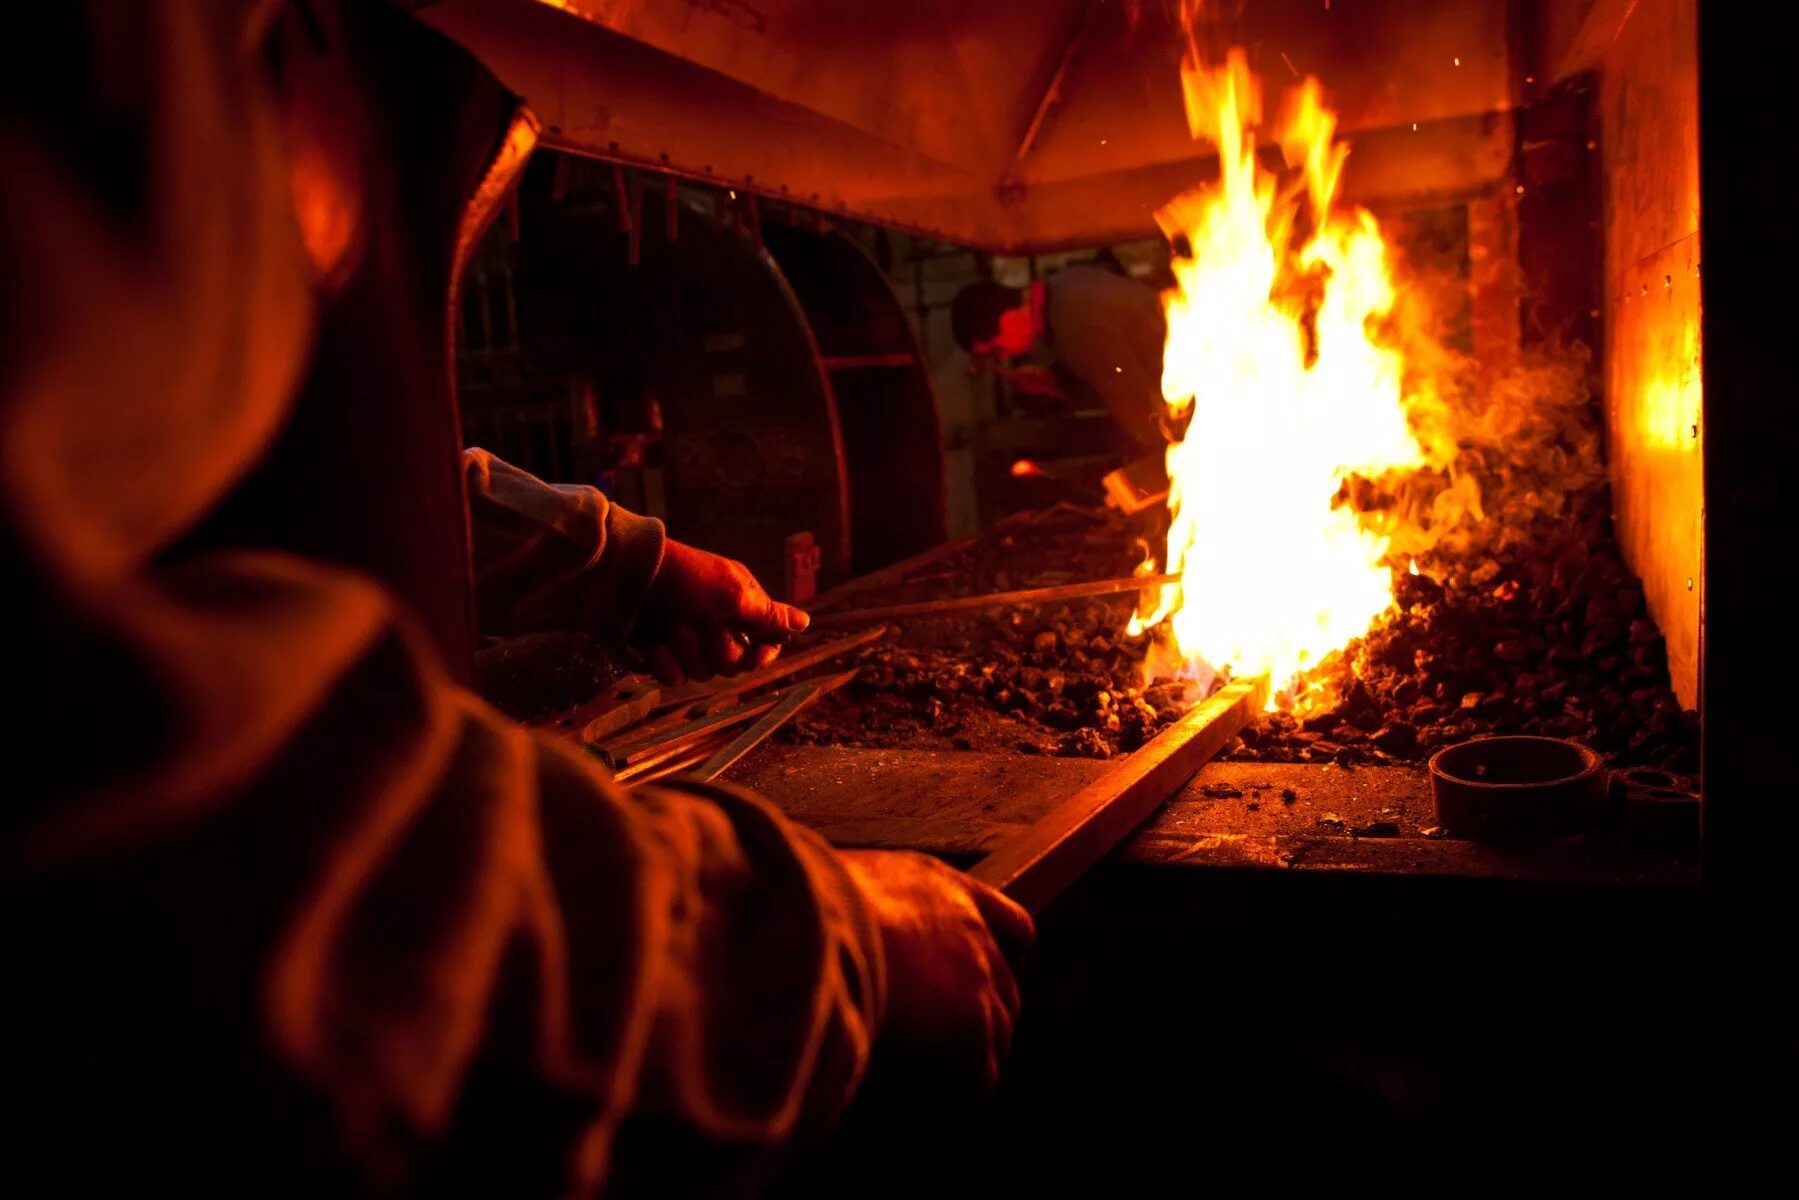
{"points": [[1549, 635]]}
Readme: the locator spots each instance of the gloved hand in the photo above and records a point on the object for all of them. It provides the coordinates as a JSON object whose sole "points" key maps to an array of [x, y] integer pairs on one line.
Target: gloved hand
{"points": [[951, 944], [706, 615]]}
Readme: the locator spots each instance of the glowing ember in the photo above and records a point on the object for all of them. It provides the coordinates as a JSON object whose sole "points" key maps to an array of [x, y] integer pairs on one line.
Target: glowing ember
{"points": [[1274, 363], [1024, 468]]}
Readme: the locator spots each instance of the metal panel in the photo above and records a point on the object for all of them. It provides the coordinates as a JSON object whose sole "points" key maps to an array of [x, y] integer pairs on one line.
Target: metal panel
{"points": [[1384, 65], [1011, 125], [1649, 99], [947, 78], [881, 388]]}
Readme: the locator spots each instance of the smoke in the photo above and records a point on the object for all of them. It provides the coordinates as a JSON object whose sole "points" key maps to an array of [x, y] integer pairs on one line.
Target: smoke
{"points": [[1509, 449]]}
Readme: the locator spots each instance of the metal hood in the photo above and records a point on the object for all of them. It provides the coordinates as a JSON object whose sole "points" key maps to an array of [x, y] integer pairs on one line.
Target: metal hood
{"points": [[1005, 124]]}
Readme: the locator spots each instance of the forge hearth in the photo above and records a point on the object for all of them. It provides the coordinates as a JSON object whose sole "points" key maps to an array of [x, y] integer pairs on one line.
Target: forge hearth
{"points": [[1550, 636], [1291, 921], [1536, 171]]}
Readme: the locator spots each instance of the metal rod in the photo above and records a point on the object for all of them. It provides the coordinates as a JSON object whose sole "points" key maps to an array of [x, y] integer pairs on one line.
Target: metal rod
{"points": [[1034, 867], [620, 754], [781, 668], [906, 569], [1053, 89], [1044, 595], [671, 764], [636, 701], [795, 700]]}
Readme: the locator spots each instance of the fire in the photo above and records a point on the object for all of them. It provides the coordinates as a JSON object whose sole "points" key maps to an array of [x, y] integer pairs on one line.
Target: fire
{"points": [[1275, 364]]}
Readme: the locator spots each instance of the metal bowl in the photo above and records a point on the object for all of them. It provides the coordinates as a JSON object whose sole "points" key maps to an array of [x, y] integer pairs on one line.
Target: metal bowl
{"points": [[1512, 787]]}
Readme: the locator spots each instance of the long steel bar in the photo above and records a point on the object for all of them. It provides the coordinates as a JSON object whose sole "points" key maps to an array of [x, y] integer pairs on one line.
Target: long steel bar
{"points": [[1035, 866], [1043, 595]]}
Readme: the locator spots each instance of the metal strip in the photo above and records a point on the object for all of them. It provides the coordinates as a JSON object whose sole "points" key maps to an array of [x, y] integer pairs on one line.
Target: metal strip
{"points": [[1034, 867]]}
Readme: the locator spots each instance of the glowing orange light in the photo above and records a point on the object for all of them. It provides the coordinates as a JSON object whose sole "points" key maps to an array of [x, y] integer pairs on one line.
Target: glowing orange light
{"points": [[1273, 361], [1025, 468]]}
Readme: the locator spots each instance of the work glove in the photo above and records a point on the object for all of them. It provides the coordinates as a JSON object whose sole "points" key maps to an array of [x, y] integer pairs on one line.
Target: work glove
{"points": [[706, 615], [951, 946]]}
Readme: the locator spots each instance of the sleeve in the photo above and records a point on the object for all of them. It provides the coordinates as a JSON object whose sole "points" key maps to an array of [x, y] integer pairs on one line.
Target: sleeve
{"points": [[286, 911], [465, 950], [554, 556]]}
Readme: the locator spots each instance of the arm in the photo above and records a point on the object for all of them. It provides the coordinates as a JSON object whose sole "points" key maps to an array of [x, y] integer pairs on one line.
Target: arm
{"points": [[554, 555], [456, 941], [297, 915], [563, 556]]}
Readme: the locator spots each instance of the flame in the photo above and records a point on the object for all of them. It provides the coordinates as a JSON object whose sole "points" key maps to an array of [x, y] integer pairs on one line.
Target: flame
{"points": [[1024, 468], [1275, 363]]}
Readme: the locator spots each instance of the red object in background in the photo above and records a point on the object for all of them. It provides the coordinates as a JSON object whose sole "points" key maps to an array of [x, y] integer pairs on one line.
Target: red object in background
{"points": [[1024, 468], [801, 558]]}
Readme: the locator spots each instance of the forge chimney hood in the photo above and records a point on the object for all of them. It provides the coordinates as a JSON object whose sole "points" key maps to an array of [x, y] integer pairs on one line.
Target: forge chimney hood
{"points": [[1006, 125]]}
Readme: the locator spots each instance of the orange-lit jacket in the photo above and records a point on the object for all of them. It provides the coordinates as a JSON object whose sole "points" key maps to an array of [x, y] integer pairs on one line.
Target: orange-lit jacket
{"points": [[286, 908]]}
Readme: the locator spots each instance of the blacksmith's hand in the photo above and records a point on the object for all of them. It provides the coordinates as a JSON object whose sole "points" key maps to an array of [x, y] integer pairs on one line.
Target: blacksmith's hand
{"points": [[951, 945], [706, 615]]}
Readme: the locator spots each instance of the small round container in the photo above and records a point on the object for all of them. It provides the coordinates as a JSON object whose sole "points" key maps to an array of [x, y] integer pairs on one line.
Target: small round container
{"points": [[1516, 787]]}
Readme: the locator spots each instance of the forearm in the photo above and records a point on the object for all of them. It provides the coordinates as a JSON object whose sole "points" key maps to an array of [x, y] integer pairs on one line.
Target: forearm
{"points": [[554, 556], [457, 940]]}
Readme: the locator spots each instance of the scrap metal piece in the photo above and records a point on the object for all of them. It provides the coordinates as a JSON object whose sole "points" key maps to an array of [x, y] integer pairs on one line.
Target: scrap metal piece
{"points": [[1137, 485], [620, 706], [802, 559]]}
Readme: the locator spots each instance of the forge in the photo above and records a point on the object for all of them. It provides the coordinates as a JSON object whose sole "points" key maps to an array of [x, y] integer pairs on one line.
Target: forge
{"points": [[725, 294], [1489, 252]]}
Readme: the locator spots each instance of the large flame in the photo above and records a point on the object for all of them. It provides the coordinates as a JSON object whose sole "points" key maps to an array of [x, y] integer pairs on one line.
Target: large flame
{"points": [[1275, 364]]}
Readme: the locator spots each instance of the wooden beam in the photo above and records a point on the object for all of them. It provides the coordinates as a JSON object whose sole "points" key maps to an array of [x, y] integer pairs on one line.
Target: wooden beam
{"points": [[1035, 867]]}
